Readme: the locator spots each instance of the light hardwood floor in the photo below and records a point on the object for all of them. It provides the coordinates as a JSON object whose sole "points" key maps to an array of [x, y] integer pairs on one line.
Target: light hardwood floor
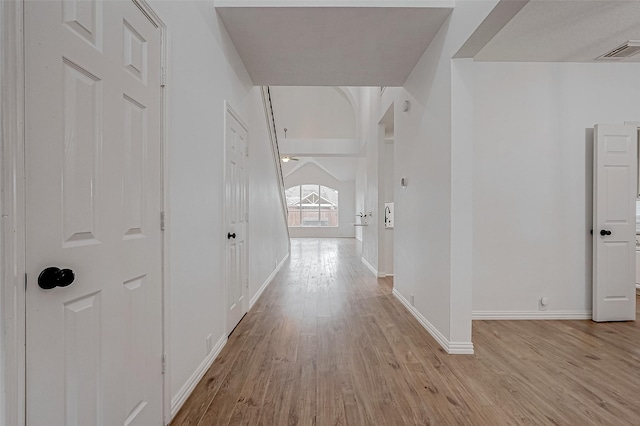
{"points": [[327, 344]]}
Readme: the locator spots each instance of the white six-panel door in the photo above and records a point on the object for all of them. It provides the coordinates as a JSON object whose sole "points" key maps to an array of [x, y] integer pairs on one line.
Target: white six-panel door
{"points": [[93, 178], [236, 219], [614, 222]]}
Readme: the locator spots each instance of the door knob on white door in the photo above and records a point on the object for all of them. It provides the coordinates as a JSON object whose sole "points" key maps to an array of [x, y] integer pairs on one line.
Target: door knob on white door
{"points": [[53, 277]]}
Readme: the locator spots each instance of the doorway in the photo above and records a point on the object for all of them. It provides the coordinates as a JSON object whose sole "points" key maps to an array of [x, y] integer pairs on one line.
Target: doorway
{"points": [[386, 190], [236, 216], [615, 191]]}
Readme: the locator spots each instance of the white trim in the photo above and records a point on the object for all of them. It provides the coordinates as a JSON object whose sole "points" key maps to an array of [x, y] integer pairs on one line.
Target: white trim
{"points": [[266, 283], [265, 95], [144, 6], [368, 265], [12, 206], [181, 396], [230, 110], [460, 348], [453, 348], [531, 315], [389, 275]]}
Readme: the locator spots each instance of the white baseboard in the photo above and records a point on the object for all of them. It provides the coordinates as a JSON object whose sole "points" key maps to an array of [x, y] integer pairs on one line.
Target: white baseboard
{"points": [[460, 348], [181, 396], [531, 315], [368, 265], [266, 282], [453, 348]]}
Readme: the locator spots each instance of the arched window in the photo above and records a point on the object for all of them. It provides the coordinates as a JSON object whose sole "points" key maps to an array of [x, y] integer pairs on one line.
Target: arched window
{"points": [[312, 205]]}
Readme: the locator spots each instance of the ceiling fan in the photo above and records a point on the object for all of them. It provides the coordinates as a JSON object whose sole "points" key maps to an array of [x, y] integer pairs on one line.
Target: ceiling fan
{"points": [[287, 158]]}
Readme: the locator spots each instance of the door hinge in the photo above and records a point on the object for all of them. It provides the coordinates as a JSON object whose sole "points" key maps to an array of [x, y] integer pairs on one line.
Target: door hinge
{"points": [[164, 363], [163, 76], [25, 281], [162, 224], [246, 217]]}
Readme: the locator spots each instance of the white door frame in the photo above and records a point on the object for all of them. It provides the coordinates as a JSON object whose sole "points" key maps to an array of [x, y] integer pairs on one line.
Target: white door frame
{"points": [[12, 208], [229, 109], [12, 205], [164, 184]]}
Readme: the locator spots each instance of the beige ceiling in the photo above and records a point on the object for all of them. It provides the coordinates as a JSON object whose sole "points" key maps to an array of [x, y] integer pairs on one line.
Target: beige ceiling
{"points": [[331, 46], [564, 31]]}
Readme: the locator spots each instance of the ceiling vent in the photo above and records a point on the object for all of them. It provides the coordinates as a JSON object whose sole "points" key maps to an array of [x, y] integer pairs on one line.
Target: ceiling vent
{"points": [[627, 50]]}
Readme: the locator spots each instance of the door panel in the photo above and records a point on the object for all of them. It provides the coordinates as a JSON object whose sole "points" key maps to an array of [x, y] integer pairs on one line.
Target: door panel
{"points": [[135, 158], [236, 202], [93, 184], [83, 376], [82, 154], [85, 19], [615, 171]]}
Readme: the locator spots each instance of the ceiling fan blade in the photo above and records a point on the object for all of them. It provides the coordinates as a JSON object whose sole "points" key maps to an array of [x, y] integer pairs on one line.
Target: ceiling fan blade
{"points": [[286, 159]]}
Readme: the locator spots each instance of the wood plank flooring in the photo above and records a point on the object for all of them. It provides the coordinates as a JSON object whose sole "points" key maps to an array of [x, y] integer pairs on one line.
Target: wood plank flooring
{"points": [[327, 344]]}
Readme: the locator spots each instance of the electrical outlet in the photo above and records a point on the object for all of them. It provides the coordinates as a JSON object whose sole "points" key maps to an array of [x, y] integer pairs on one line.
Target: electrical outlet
{"points": [[542, 303], [209, 344], [412, 302]]}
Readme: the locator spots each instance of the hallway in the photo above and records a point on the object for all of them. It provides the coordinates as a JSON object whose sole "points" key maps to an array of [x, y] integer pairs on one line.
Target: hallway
{"points": [[328, 344]]}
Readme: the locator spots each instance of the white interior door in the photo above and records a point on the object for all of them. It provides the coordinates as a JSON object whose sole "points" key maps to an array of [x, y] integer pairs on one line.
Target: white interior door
{"points": [[93, 179], [237, 279], [614, 222]]}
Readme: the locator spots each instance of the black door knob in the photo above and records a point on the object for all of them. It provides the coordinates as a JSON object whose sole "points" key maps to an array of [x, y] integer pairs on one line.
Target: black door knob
{"points": [[53, 277], [604, 232], [230, 235]]}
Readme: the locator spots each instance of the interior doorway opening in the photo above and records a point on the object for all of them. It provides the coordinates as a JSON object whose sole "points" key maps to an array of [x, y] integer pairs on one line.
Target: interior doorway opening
{"points": [[386, 191]]}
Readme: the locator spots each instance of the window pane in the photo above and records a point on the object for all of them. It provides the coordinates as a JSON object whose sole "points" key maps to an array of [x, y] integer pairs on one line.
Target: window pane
{"points": [[293, 205], [294, 216], [309, 205], [328, 217], [309, 192], [329, 194], [328, 206], [310, 218], [293, 195], [312, 205]]}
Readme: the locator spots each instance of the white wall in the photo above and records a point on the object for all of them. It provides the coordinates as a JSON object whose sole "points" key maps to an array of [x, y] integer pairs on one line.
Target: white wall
{"points": [[310, 173], [369, 106], [532, 179], [360, 185], [204, 71], [426, 250], [269, 241], [313, 113], [388, 191], [386, 177]]}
